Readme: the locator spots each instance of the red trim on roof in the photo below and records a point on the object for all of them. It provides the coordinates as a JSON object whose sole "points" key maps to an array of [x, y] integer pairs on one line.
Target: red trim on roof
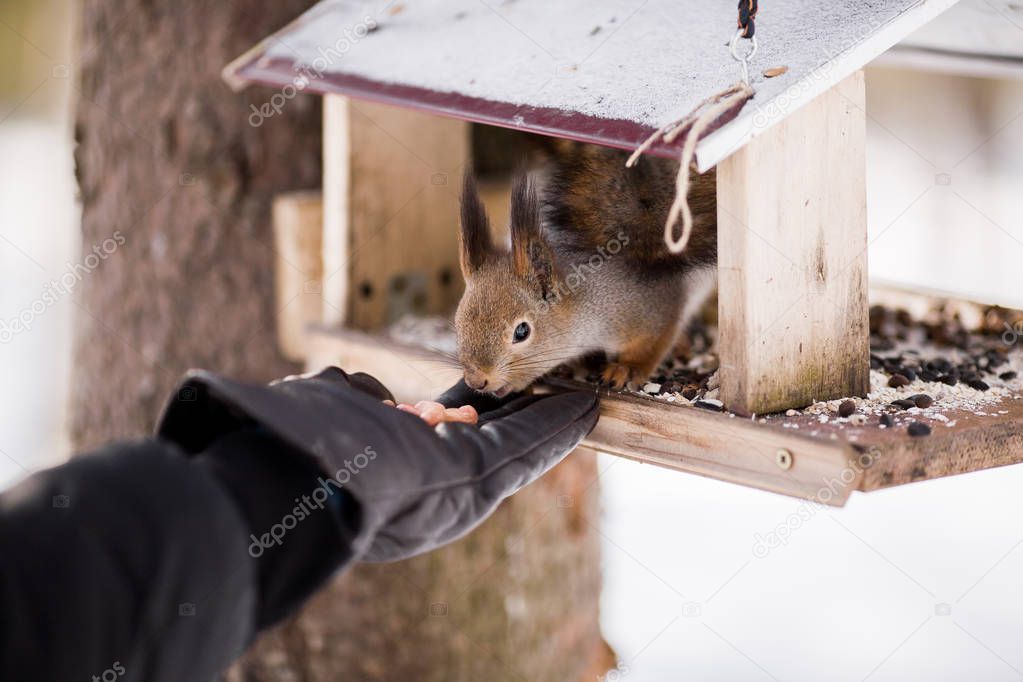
{"points": [[544, 121]]}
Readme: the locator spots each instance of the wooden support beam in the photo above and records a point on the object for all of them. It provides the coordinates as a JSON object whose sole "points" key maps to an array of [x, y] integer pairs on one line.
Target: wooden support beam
{"points": [[391, 182], [412, 374], [792, 259], [298, 230]]}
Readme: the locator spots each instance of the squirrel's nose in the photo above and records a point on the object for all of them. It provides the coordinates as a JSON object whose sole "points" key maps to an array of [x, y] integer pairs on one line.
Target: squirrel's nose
{"points": [[475, 380]]}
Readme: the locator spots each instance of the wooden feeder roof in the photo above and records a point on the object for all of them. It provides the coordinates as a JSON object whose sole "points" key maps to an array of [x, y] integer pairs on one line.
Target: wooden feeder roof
{"points": [[978, 28], [599, 71]]}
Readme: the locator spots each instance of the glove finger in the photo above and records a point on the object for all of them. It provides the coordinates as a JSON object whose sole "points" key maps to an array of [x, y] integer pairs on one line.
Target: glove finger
{"points": [[331, 373], [519, 403], [460, 394], [370, 385]]}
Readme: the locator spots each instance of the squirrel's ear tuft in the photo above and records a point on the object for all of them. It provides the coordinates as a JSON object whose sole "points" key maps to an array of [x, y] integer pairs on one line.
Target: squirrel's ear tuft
{"points": [[531, 255], [475, 234]]}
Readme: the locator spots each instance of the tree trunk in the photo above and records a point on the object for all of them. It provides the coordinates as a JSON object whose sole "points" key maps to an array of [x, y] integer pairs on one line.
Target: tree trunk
{"points": [[176, 186]]}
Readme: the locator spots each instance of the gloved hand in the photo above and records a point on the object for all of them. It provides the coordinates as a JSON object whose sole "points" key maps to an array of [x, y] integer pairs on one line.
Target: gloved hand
{"points": [[416, 487]]}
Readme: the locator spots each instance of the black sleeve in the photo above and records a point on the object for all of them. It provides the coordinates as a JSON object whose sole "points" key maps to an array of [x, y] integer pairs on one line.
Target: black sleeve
{"points": [[139, 560]]}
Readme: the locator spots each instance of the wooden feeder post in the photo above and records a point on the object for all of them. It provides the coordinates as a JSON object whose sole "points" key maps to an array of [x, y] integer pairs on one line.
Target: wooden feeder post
{"points": [[792, 259]]}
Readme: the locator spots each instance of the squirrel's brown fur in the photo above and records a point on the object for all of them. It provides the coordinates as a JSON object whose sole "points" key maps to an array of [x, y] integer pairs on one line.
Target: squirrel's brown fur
{"points": [[588, 270], [590, 192]]}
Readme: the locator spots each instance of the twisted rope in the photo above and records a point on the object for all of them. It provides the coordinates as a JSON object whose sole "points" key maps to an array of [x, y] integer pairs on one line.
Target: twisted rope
{"points": [[693, 126]]}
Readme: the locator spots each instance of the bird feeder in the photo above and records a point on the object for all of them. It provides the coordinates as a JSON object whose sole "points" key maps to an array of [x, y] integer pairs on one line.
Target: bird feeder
{"points": [[402, 82]]}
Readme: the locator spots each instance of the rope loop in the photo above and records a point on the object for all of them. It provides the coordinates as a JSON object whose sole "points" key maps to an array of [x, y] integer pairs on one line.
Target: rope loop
{"points": [[743, 59]]}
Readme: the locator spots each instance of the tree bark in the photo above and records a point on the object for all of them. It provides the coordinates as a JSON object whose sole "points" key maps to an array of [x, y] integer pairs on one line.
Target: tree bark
{"points": [[176, 186]]}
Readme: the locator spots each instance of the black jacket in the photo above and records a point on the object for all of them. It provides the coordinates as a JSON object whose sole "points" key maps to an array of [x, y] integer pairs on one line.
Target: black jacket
{"points": [[160, 560]]}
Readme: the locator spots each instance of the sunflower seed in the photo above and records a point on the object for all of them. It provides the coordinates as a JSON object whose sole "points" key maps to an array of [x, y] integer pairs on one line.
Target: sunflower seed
{"points": [[898, 381], [846, 408], [917, 429], [922, 400]]}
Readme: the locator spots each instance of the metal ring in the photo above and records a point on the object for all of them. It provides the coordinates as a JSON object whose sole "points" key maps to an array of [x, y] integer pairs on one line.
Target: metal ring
{"points": [[734, 44]]}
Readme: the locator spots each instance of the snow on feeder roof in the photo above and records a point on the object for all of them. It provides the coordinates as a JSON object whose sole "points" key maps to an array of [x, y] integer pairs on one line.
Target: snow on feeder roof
{"points": [[601, 71]]}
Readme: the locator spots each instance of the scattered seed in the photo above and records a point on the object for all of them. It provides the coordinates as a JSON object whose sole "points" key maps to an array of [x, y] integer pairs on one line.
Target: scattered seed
{"points": [[652, 388], [858, 419], [917, 429], [714, 405], [979, 385], [690, 391], [671, 387], [898, 381], [775, 71], [791, 413], [887, 420], [948, 380], [846, 408], [903, 404], [1007, 376], [922, 400]]}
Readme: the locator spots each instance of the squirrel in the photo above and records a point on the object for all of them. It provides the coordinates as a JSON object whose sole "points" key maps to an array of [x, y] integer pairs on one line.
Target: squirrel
{"points": [[587, 271]]}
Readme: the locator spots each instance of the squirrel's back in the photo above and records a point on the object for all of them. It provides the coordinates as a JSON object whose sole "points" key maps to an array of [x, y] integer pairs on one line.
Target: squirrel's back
{"points": [[590, 198]]}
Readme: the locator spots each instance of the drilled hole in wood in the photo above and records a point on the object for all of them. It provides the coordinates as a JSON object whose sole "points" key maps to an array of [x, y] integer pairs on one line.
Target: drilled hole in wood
{"points": [[784, 459], [445, 277], [366, 289]]}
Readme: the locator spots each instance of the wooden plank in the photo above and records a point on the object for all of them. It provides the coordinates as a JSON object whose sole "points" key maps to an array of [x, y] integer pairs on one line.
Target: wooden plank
{"points": [[973, 443], [391, 181], [982, 28], [583, 70], [412, 374], [792, 250], [951, 63], [336, 211], [298, 228], [726, 448]]}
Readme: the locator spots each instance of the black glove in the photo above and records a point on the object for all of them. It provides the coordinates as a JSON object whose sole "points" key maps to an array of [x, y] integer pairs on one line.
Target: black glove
{"points": [[416, 487]]}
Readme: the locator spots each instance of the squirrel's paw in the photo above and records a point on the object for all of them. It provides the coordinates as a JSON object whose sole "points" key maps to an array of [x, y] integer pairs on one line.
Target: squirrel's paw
{"points": [[619, 376]]}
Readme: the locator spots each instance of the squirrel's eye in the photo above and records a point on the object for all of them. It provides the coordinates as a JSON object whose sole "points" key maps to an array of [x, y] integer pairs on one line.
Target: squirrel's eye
{"points": [[521, 332]]}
